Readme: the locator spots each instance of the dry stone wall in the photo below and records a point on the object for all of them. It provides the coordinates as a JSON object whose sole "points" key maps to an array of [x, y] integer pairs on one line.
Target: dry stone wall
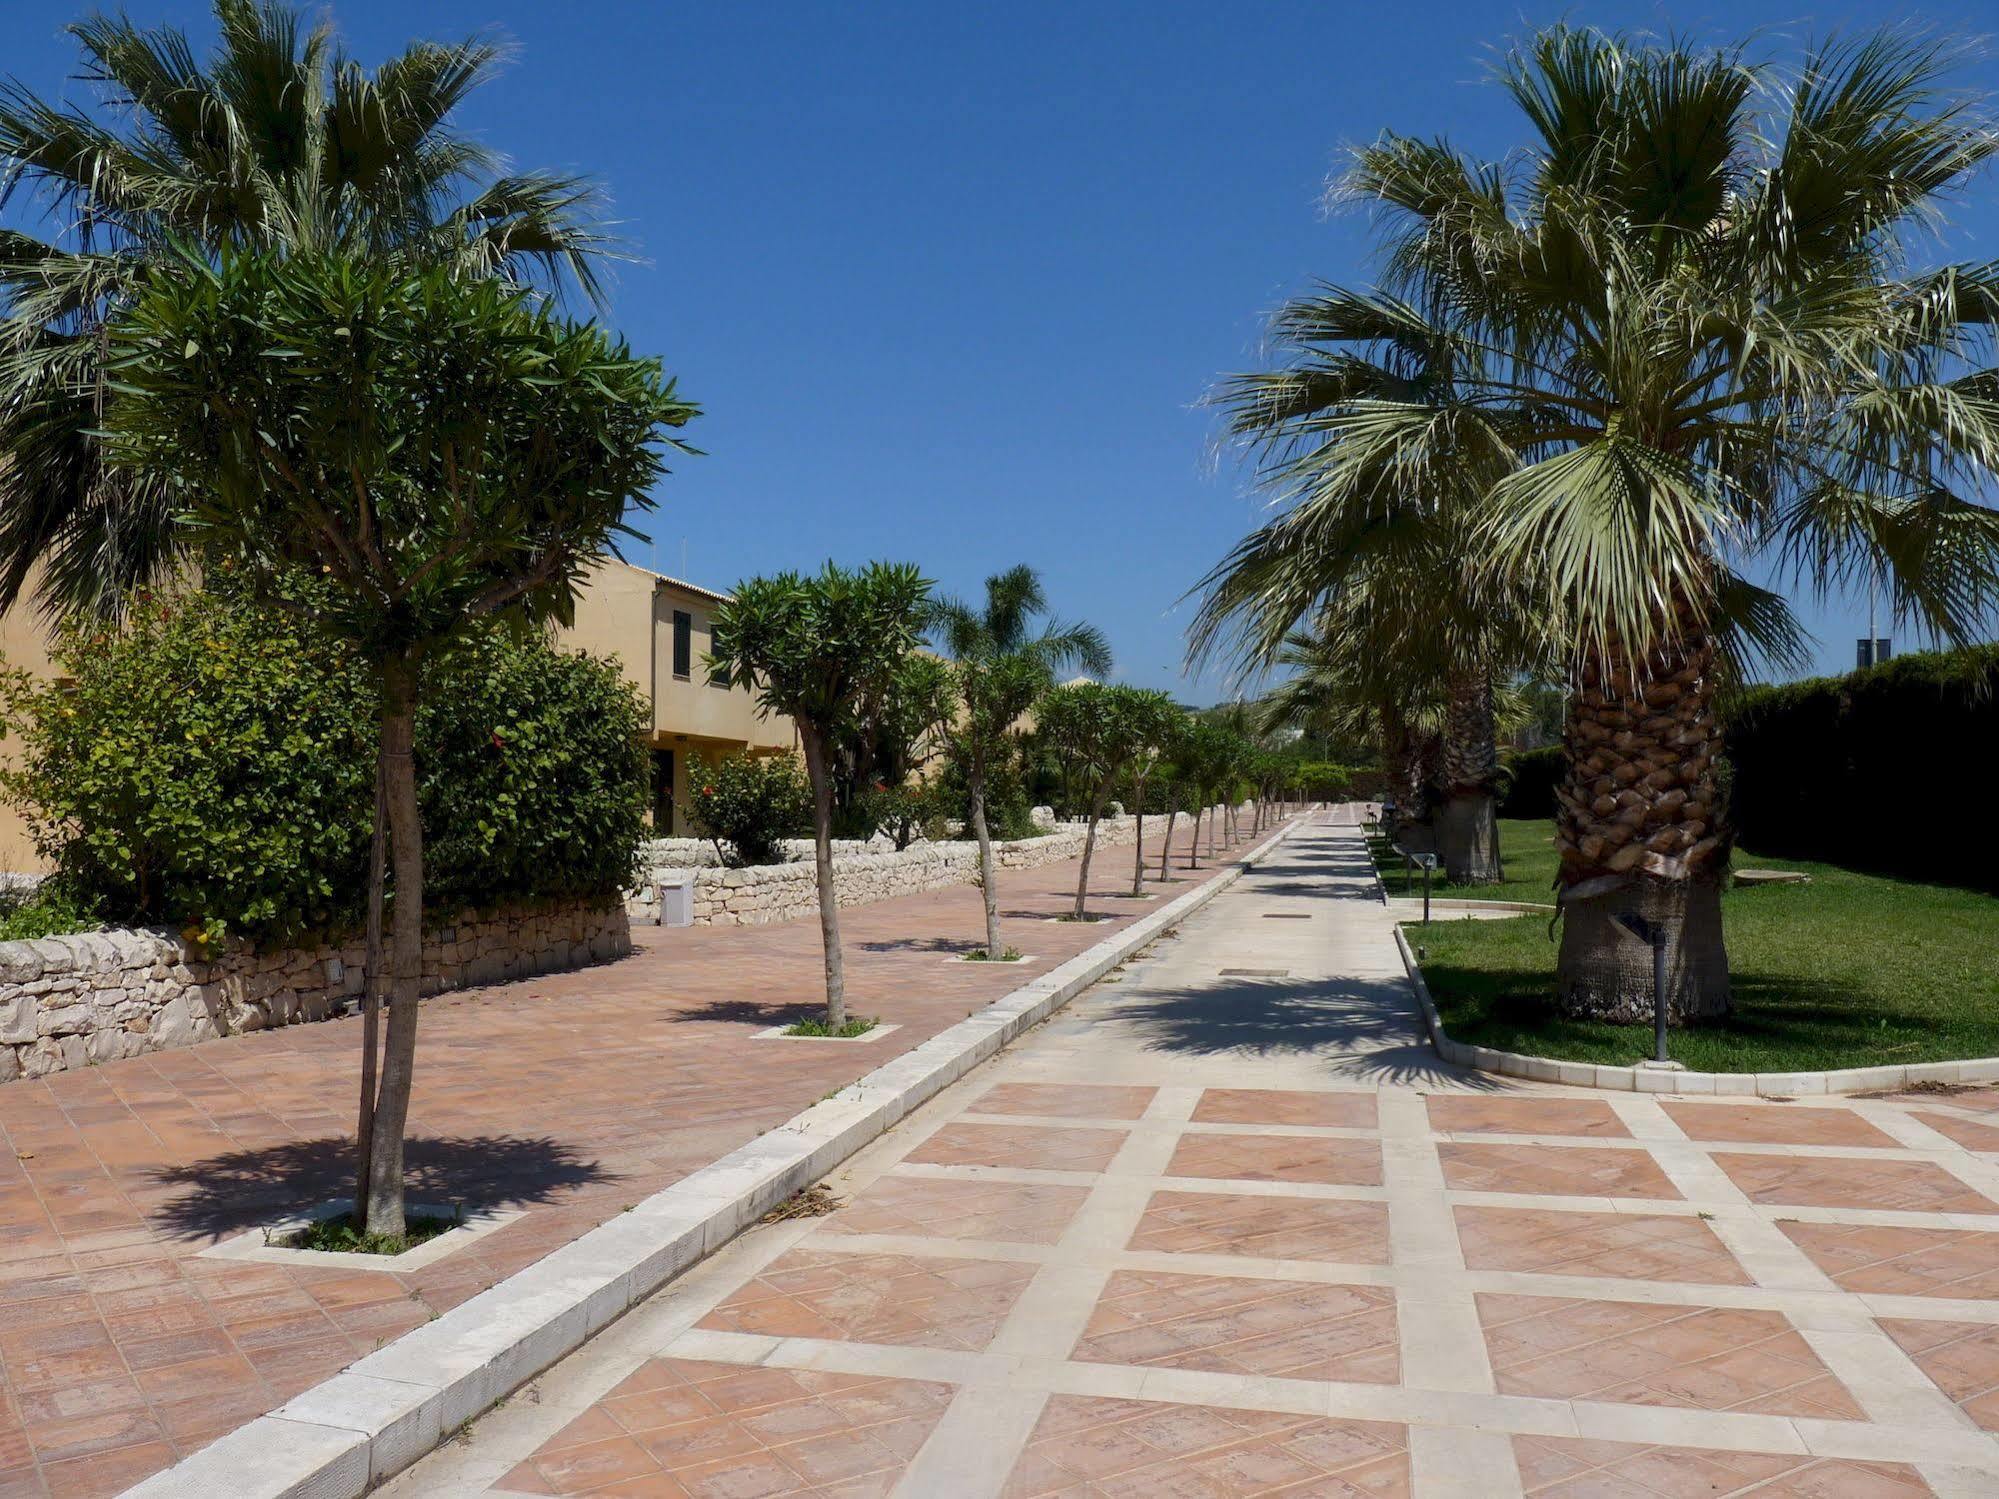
{"points": [[72, 1001], [786, 892]]}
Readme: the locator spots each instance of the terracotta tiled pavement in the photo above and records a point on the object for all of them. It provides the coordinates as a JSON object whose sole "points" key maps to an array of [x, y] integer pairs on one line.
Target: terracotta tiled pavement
{"points": [[1244, 1280], [571, 1096], [1308, 1260]]}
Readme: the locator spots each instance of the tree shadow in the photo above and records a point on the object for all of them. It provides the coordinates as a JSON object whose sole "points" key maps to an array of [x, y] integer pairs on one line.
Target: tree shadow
{"points": [[945, 945], [1365, 1026], [751, 1012], [242, 1189]]}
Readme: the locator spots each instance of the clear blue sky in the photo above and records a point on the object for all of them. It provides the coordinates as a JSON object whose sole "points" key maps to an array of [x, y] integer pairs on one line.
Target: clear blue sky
{"points": [[949, 278]]}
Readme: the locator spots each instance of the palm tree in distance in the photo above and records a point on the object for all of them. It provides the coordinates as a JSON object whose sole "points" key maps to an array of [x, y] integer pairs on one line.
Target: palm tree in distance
{"points": [[1005, 654], [277, 141], [1684, 331]]}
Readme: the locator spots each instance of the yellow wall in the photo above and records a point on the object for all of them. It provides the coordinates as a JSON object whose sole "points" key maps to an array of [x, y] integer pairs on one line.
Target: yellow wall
{"points": [[24, 643]]}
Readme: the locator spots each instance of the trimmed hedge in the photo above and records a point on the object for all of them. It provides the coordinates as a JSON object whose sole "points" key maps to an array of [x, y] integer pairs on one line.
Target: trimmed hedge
{"points": [[1832, 768], [210, 766], [1531, 779]]}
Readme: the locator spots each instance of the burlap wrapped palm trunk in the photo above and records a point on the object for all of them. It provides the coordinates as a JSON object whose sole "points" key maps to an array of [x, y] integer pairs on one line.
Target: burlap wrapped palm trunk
{"points": [[1467, 819], [1640, 830]]}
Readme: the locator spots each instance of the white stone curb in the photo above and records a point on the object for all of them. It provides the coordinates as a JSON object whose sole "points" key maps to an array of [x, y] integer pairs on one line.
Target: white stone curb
{"points": [[386, 1410], [1458, 903], [1643, 1080]]}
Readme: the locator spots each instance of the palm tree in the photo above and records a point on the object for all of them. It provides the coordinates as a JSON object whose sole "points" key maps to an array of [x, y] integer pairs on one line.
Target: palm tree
{"points": [[278, 141], [1684, 331], [1004, 662]]}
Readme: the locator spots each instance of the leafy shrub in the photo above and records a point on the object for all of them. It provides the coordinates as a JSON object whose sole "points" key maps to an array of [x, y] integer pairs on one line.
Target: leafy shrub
{"points": [[210, 766], [901, 812], [752, 803], [43, 912]]}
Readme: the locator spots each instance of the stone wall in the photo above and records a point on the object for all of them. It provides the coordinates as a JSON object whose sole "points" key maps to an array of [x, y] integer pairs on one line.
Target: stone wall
{"points": [[96, 996], [785, 892]]}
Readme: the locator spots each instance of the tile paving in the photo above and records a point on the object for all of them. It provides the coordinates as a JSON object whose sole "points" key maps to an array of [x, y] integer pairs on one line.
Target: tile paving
{"points": [[1203, 1237], [122, 1349]]}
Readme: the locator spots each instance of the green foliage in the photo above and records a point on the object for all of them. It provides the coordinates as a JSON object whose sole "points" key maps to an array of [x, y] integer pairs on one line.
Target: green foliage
{"points": [[1324, 781], [532, 775], [1101, 731], [206, 767], [901, 812], [43, 912], [343, 1235], [209, 767], [752, 803], [819, 1028], [1828, 768], [1530, 778]]}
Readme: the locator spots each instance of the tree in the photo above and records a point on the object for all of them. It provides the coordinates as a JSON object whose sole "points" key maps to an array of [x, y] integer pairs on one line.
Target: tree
{"points": [[1100, 730], [823, 649], [1002, 664], [1688, 326], [429, 452], [1157, 723], [278, 141]]}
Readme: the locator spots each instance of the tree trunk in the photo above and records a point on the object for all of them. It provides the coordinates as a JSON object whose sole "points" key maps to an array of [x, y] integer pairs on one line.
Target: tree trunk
{"points": [[1194, 841], [1467, 824], [385, 1165], [1466, 831], [1138, 840], [1089, 847], [371, 987], [1214, 815], [1640, 829], [987, 882], [1166, 849], [822, 867]]}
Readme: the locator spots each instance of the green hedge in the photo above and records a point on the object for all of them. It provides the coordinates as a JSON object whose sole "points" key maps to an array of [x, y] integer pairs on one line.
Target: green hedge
{"points": [[1843, 769], [209, 766]]}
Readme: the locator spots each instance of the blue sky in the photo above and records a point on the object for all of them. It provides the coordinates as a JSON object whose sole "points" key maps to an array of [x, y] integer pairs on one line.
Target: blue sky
{"points": [[949, 279]]}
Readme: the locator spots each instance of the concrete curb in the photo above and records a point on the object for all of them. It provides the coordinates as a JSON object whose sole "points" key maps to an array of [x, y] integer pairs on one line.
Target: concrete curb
{"points": [[386, 1410], [1646, 1080], [1458, 903]]}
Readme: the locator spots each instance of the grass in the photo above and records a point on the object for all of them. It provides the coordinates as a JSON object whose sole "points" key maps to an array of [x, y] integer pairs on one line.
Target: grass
{"points": [[982, 955], [1527, 857], [856, 1025], [1852, 970], [342, 1235]]}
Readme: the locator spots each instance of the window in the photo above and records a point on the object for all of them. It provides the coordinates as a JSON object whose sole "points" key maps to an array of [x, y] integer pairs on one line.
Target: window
{"points": [[683, 644]]}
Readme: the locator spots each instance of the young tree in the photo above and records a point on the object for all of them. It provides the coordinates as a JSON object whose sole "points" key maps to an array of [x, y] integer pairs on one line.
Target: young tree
{"points": [[1159, 723], [1002, 664], [1101, 730], [427, 452], [823, 649]]}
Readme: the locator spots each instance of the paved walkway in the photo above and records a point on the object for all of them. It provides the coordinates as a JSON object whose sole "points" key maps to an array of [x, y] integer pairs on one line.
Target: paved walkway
{"points": [[123, 1346], [1224, 1228]]}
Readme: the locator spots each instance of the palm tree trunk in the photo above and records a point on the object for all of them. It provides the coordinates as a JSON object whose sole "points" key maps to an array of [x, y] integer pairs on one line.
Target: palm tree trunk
{"points": [[1467, 824], [822, 868], [385, 1163], [1641, 831], [1166, 848], [987, 883], [371, 987]]}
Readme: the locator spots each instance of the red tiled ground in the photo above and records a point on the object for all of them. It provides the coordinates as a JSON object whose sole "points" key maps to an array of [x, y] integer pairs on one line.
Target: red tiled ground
{"points": [[1961, 1358], [1285, 1106], [1760, 1124], [1553, 1170], [1064, 1100], [1279, 1158], [572, 1095], [1026, 1146], [875, 1298], [1085, 1448], [1468, 1112], [1270, 1228], [1969, 1133], [1627, 1246], [1852, 1182], [1636, 1353], [1008, 1212], [681, 1428], [1576, 1468], [1288, 1329], [1956, 1262]]}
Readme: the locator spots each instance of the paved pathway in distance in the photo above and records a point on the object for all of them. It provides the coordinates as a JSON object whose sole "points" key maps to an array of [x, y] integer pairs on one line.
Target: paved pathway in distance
{"points": [[1225, 1228], [124, 1344]]}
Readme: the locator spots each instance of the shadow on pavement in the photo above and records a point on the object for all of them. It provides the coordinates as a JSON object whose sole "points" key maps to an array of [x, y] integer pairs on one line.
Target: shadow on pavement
{"points": [[244, 1188]]}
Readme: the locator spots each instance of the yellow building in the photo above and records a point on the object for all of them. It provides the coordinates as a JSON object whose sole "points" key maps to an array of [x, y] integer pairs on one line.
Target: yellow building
{"points": [[659, 628]]}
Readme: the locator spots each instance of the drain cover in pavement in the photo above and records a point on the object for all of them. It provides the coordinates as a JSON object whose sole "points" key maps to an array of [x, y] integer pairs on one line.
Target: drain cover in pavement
{"points": [[1256, 973], [1287, 915]]}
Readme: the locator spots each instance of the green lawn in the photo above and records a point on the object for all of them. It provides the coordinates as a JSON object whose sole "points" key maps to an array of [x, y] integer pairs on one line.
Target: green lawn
{"points": [[1852, 970], [1526, 853]]}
